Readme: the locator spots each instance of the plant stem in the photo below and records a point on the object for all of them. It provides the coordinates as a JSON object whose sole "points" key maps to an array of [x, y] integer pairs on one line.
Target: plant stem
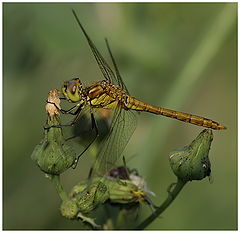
{"points": [[56, 182], [171, 196]]}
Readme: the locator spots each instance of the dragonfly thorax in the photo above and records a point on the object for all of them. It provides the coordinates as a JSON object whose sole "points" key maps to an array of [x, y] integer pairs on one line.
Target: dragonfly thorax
{"points": [[73, 90]]}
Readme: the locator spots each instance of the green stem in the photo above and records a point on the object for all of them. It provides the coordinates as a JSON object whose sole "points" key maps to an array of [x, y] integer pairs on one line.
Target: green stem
{"points": [[171, 196], [56, 182]]}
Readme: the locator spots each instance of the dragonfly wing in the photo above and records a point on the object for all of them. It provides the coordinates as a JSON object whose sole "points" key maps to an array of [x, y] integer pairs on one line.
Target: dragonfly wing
{"points": [[119, 78], [122, 128], [104, 67]]}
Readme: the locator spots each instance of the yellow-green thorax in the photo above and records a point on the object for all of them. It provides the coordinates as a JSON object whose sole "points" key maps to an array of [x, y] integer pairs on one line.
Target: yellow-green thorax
{"points": [[102, 94]]}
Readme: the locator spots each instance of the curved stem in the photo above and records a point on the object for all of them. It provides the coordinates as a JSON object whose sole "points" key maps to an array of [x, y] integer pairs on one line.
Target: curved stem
{"points": [[56, 182], [171, 196]]}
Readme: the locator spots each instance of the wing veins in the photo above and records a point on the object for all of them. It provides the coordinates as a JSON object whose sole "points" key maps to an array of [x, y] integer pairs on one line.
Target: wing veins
{"points": [[104, 67], [119, 80]]}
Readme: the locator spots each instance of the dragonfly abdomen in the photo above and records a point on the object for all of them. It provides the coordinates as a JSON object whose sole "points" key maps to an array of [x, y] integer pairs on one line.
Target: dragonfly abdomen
{"points": [[135, 104]]}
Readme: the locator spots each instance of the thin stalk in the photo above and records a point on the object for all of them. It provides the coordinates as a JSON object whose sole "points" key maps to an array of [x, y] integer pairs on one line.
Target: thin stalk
{"points": [[159, 210], [56, 182]]}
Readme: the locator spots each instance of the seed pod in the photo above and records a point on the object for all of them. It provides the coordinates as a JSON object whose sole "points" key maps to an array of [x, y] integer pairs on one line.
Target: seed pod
{"points": [[191, 162], [53, 155]]}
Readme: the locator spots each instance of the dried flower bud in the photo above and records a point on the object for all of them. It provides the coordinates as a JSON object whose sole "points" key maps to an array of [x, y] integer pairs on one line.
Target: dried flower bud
{"points": [[53, 154], [192, 162], [53, 97]]}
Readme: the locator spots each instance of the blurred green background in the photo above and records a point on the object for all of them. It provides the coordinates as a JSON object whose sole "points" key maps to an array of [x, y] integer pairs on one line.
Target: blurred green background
{"points": [[181, 56]]}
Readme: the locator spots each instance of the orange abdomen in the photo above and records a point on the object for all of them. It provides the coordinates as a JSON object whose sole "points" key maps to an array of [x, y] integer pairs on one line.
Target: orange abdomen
{"points": [[135, 104]]}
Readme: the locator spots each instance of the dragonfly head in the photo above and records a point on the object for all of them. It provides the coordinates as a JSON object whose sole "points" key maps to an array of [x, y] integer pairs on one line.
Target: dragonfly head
{"points": [[73, 90]]}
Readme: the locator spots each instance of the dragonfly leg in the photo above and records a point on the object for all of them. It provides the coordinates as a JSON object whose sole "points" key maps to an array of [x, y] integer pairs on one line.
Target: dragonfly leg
{"points": [[69, 111], [94, 127]]}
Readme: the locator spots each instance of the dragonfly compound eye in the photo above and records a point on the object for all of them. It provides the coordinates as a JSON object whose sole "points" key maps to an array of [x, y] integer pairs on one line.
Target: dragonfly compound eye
{"points": [[72, 90]]}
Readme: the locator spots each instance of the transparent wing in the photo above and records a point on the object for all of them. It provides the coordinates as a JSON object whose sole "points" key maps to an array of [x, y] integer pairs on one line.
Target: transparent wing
{"points": [[122, 127], [104, 67], [119, 78], [123, 122]]}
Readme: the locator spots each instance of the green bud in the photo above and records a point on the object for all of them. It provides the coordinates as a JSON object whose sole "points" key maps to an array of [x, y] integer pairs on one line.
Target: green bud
{"points": [[78, 189], [69, 209], [81, 186], [126, 186], [92, 196], [91, 193], [125, 192], [102, 192], [53, 155], [191, 162]]}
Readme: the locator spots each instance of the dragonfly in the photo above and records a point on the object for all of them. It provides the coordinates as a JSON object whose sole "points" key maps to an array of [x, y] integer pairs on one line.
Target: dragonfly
{"points": [[111, 93]]}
